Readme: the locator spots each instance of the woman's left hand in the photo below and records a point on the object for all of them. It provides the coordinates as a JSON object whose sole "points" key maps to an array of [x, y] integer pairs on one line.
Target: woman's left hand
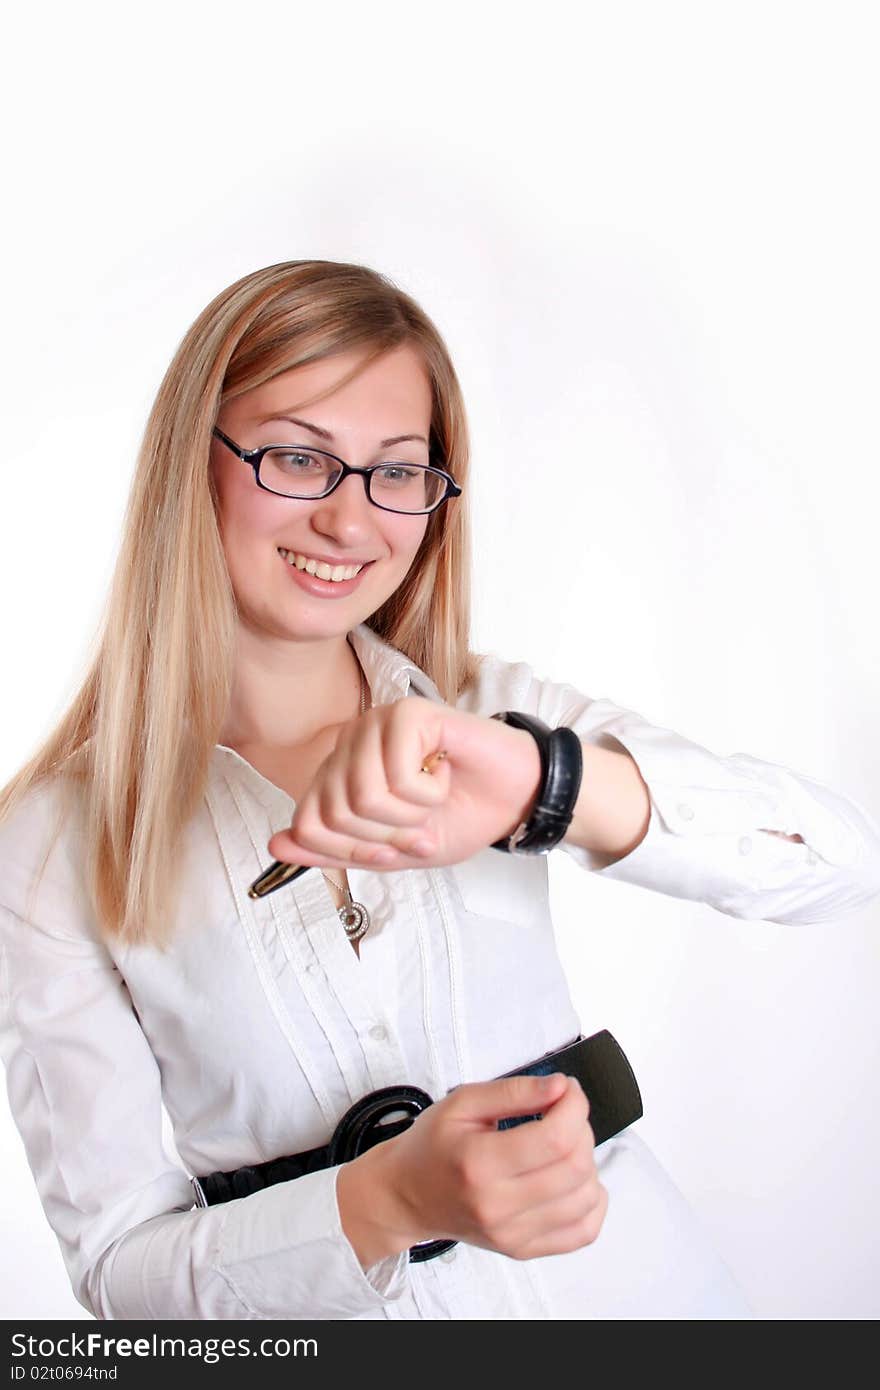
{"points": [[370, 804]]}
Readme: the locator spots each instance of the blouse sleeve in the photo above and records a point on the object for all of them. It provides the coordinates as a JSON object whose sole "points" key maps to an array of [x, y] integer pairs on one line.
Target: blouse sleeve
{"points": [[708, 837], [85, 1094]]}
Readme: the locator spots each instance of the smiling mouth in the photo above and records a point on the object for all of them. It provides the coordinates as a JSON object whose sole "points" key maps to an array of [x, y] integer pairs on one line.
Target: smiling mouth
{"points": [[334, 573]]}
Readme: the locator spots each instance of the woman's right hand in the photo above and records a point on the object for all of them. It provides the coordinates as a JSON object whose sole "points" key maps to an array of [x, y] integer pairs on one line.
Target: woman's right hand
{"points": [[529, 1190]]}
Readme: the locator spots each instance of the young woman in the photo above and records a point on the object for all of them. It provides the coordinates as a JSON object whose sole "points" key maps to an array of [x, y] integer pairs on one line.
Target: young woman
{"points": [[284, 656]]}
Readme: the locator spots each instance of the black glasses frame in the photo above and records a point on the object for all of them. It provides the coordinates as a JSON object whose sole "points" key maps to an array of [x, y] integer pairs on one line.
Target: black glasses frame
{"points": [[254, 457]]}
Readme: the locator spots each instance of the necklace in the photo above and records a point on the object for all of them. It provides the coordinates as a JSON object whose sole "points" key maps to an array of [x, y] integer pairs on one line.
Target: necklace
{"points": [[354, 916]]}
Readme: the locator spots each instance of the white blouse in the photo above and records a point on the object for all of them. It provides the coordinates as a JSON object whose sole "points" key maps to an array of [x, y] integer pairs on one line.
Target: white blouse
{"points": [[260, 1027]]}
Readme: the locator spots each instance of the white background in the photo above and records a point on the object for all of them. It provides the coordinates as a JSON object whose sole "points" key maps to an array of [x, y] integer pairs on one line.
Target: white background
{"points": [[650, 243]]}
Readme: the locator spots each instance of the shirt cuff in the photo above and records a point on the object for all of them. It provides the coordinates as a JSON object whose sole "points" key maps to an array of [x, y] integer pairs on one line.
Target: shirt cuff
{"points": [[706, 838], [284, 1254]]}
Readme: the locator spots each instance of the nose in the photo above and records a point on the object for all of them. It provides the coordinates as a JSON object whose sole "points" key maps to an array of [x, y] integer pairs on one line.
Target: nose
{"points": [[347, 514]]}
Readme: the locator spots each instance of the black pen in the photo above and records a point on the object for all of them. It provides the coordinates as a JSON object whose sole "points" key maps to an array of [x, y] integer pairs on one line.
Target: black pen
{"points": [[274, 877]]}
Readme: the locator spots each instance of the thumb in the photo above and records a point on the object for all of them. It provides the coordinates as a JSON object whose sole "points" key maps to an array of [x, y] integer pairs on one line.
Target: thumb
{"points": [[508, 1096]]}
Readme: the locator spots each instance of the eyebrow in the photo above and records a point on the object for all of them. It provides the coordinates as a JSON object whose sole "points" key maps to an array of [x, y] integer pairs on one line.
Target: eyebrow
{"points": [[325, 434]]}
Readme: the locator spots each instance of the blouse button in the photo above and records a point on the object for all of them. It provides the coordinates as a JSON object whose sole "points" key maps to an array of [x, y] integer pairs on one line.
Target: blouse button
{"points": [[811, 858], [745, 845], [378, 1032], [686, 812], [448, 1256]]}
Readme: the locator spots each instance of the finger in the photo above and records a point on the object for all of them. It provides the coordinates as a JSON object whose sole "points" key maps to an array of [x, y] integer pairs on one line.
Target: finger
{"points": [[323, 828], [382, 784], [520, 1209], [557, 1180], [287, 849], [416, 766], [555, 1136], [326, 823], [549, 1182], [528, 1220], [332, 809], [365, 793], [308, 842], [349, 797], [489, 1101], [553, 1235]]}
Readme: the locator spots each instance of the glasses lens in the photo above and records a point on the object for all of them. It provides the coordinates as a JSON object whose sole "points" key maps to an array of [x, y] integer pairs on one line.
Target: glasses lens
{"points": [[406, 487], [400, 487], [297, 472]]}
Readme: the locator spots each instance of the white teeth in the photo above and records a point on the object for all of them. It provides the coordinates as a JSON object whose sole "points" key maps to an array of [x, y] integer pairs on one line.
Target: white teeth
{"points": [[335, 573]]}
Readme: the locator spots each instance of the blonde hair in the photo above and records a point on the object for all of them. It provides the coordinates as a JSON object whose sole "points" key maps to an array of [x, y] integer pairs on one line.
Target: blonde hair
{"points": [[138, 736]]}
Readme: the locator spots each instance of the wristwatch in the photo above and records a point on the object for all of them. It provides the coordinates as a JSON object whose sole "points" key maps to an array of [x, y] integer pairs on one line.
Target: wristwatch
{"points": [[561, 771]]}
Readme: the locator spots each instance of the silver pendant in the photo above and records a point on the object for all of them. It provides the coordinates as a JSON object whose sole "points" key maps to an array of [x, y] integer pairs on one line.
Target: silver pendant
{"points": [[355, 919]]}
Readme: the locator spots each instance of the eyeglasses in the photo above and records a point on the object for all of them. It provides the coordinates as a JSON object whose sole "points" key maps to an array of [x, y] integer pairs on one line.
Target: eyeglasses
{"points": [[294, 470]]}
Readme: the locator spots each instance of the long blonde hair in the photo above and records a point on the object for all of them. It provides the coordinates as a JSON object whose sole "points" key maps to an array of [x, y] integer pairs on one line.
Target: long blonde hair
{"points": [[138, 736]]}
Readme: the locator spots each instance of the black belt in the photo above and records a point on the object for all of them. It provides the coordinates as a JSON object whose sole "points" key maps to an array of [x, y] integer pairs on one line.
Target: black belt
{"points": [[598, 1062]]}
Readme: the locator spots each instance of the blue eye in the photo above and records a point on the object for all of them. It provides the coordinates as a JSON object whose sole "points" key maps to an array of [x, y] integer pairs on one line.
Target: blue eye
{"points": [[303, 458], [403, 473]]}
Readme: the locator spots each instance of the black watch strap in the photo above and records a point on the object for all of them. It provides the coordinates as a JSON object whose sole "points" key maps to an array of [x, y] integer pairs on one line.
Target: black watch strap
{"points": [[561, 772]]}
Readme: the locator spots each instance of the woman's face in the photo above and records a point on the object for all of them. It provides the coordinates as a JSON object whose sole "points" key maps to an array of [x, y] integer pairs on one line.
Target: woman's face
{"points": [[390, 398]]}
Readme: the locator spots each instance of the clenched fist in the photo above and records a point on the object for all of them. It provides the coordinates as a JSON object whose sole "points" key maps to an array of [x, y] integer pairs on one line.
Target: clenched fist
{"points": [[370, 804], [529, 1190]]}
